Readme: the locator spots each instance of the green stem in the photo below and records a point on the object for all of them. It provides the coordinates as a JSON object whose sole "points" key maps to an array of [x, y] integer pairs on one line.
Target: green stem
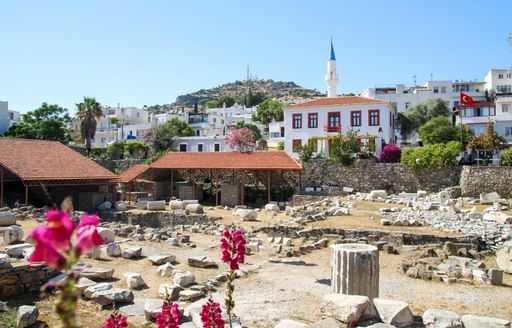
{"points": [[230, 304], [66, 305]]}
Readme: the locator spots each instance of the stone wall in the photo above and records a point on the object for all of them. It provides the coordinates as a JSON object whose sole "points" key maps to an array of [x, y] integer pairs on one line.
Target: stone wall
{"points": [[366, 175], [23, 277], [155, 219], [475, 180], [122, 164]]}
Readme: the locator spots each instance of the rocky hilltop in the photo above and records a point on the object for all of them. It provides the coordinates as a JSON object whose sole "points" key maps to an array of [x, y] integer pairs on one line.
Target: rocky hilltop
{"points": [[238, 90]]}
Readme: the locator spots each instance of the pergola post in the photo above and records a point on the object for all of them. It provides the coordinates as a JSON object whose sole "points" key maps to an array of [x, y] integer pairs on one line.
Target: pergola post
{"points": [[172, 183], [1, 187], [281, 187], [114, 192], [193, 177], [26, 194], [216, 190], [211, 181], [268, 187], [243, 187]]}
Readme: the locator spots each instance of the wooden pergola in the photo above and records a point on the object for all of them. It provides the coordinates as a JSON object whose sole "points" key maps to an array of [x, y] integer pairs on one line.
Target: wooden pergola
{"points": [[48, 164], [261, 166]]}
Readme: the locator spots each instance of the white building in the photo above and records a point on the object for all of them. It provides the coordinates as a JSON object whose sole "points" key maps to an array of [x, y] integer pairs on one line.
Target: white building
{"points": [[130, 119], [319, 119], [7, 117], [276, 133], [201, 144]]}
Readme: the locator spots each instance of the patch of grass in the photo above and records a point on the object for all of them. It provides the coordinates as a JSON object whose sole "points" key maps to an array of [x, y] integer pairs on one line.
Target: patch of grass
{"points": [[8, 318]]}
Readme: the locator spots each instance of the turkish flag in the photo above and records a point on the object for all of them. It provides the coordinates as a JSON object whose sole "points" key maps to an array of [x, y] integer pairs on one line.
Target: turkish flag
{"points": [[466, 100]]}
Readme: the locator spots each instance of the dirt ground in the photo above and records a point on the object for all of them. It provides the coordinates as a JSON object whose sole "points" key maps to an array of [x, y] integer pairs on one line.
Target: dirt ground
{"points": [[278, 288]]}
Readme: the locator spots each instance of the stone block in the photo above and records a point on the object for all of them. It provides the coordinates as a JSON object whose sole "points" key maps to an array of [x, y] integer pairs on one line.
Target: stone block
{"points": [[495, 277], [7, 218], [374, 194], [114, 250], [26, 316], [272, 208], [396, 313], [434, 318], [114, 295], [345, 308], [287, 323], [489, 198], [133, 280], [471, 321], [156, 205], [16, 250], [176, 204], [201, 262], [171, 290], [107, 235], [121, 205], [503, 258], [194, 208]]}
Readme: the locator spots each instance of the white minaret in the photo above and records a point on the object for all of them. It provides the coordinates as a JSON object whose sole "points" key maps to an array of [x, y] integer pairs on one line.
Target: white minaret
{"points": [[331, 77]]}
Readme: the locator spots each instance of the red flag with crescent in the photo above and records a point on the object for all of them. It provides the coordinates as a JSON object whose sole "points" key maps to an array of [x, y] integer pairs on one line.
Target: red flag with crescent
{"points": [[466, 100]]}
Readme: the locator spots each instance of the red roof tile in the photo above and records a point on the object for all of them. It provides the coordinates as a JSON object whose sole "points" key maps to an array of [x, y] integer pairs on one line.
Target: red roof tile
{"points": [[132, 173], [257, 160], [339, 101], [48, 160]]}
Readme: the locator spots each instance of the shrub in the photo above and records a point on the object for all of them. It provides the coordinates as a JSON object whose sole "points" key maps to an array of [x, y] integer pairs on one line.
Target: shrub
{"points": [[306, 152], [506, 158], [390, 154], [97, 152], [115, 150], [136, 148], [432, 156], [280, 145]]}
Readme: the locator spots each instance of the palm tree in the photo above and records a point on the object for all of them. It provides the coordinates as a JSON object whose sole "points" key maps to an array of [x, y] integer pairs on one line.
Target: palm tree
{"points": [[88, 112], [115, 122]]}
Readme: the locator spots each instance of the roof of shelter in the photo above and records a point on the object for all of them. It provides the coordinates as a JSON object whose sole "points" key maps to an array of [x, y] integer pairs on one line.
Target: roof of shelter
{"points": [[39, 160], [257, 160], [339, 101], [132, 173]]}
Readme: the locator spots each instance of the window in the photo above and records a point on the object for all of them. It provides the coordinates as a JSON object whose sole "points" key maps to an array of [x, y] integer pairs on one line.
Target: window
{"points": [[282, 131], [374, 117], [296, 145], [216, 147], [436, 89], [222, 122], [509, 75], [183, 147], [214, 120], [274, 135], [500, 76], [508, 132], [314, 142], [355, 118], [200, 147], [334, 122], [297, 121], [312, 120], [198, 133], [407, 105], [443, 89], [505, 108], [504, 88]]}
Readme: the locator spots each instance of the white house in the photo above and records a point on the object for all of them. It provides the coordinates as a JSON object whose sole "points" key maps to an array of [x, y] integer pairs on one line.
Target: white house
{"points": [[130, 119], [7, 117], [335, 116], [316, 120], [201, 144]]}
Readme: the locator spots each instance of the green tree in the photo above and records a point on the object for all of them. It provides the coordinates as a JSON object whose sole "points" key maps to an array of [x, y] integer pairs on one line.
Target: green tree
{"points": [[253, 127], [115, 122], [228, 100], [196, 110], [88, 112], [48, 122], [161, 138], [441, 130], [423, 112], [405, 126], [269, 110], [212, 104], [431, 156], [489, 140]]}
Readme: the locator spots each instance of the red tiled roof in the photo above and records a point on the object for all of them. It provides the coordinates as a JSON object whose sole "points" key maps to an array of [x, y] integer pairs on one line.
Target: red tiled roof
{"points": [[132, 173], [339, 101], [48, 160], [257, 160]]}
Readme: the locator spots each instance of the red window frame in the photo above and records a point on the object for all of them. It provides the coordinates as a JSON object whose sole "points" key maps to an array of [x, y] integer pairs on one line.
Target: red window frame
{"points": [[370, 117], [296, 145], [352, 117], [299, 116], [309, 120]]}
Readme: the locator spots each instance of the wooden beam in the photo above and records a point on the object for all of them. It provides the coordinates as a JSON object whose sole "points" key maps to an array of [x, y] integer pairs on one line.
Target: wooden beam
{"points": [[243, 187], [172, 183], [217, 190], [268, 186], [26, 194]]}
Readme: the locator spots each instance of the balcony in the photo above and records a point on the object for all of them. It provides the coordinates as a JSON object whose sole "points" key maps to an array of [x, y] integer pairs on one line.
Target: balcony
{"points": [[328, 128]]}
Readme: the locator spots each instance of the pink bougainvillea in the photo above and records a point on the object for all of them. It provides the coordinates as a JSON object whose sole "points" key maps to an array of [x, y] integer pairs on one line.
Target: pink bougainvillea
{"points": [[241, 140], [390, 154]]}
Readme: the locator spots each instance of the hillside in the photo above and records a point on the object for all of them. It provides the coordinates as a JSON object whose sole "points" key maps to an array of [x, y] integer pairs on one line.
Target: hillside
{"points": [[238, 90]]}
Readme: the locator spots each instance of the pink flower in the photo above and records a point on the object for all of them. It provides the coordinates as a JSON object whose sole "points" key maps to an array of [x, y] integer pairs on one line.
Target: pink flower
{"points": [[170, 316], [211, 315], [45, 250], [59, 229], [116, 320], [87, 234], [233, 248]]}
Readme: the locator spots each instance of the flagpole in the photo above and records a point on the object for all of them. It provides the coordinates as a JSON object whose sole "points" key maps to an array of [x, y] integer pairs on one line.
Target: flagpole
{"points": [[460, 122]]}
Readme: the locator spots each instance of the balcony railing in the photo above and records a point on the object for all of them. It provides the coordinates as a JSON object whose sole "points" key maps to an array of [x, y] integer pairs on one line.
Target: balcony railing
{"points": [[328, 128]]}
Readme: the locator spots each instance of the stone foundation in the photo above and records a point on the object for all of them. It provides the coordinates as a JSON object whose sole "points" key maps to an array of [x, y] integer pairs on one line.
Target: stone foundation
{"points": [[24, 278], [155, 219]]}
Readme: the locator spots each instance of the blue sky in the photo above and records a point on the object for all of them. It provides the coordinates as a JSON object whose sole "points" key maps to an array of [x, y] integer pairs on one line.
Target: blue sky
{"points": [[148, 52]]}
